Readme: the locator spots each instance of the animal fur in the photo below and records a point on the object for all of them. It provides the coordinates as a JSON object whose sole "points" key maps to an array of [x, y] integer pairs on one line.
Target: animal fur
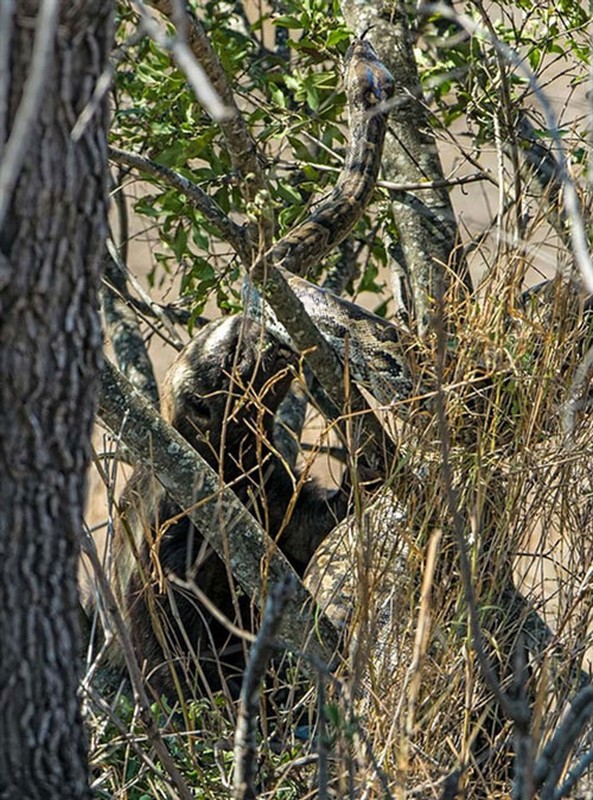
{"points": [[221, 394]]}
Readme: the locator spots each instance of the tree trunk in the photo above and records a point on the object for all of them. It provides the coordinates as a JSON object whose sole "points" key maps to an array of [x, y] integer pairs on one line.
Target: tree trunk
{"points": [[425, 220], [53, 199]]}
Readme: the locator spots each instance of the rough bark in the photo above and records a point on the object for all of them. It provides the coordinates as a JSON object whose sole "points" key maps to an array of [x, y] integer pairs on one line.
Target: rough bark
{"points": [[216, 511], [122, 327], [50, 344]]}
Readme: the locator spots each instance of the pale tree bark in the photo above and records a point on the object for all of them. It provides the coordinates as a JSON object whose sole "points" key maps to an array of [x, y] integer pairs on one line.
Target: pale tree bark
{"points": [[53, 192], [427, 228]]}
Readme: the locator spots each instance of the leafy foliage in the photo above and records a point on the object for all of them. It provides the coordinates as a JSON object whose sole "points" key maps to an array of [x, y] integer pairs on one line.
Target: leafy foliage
{"points": [[295, 111]]}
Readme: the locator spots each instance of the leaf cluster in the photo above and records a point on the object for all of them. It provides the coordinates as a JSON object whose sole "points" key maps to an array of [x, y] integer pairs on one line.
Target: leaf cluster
{"points": [[286, 73]]}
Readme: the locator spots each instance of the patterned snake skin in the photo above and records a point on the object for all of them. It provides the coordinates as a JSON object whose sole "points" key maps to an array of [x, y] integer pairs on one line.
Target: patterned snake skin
{"points": [[374, 350], [371, 344]]}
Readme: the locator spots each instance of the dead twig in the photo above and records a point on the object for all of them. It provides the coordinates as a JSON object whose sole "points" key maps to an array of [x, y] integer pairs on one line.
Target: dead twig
{"points": [[259, 657]]}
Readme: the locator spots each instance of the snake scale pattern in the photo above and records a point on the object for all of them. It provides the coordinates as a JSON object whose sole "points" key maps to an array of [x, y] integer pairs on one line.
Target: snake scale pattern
{"points": [[371, 345]]}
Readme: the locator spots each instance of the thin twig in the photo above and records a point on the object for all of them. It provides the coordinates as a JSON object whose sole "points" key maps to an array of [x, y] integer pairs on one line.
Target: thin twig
{"points": [[177, 316], [550, 764], [187, 63], [578, 235], [574, 775], [445, 183], [240, 144], [6, 23], [117, 624], [260, 654], [511, 710], [192, 587], [102, 86], [230, 231], [577, 394], [157, 311]]}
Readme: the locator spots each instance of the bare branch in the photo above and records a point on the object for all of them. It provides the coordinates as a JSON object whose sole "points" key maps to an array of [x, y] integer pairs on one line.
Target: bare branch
{"points": [[577, 394], [240, 144], [123, 330], [155, 307], [514, 711], [260, 654], [175, 313], [438, 183], [578, 235], [550, 764], [230, 231], [426, 225], [215, 509], [6, 16], [444, 183], [187, 63], [116, 623]]}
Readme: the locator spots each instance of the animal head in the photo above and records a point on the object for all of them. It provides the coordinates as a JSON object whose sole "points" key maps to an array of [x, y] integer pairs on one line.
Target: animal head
{"points": [[226, 384], [368, 81]]}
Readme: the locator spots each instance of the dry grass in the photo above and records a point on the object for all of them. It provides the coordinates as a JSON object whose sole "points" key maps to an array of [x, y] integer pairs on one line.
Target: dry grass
{"points": [[410, 708], [407, 711]]}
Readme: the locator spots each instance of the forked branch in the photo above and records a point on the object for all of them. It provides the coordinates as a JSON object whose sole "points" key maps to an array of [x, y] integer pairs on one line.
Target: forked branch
{"points": [[215, 509]]}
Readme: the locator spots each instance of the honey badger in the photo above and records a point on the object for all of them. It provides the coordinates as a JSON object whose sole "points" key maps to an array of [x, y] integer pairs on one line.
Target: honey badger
{"points": [[221, 394]]}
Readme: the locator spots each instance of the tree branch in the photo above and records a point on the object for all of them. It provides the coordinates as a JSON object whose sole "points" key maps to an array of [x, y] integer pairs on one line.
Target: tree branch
{"points": [[306, 338], [426, 225], [122, 328], [550, 764], [572, 205], [116, 623], [188, 64], [245, 751], [230, 231], [214, 509], [240, 144]]}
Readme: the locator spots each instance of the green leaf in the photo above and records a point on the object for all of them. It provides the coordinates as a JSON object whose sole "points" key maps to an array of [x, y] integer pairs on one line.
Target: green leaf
{"points": [[145, 205], [337, 36], [277, 96], [312, 96], [288, 22], [178, 243]]}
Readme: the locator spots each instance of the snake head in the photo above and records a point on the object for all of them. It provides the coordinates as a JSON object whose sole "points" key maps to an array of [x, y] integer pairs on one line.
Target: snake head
{"points": [[368, 81]]}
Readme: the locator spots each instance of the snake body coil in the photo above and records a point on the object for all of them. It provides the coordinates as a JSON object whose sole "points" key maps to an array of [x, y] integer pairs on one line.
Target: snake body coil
{"points": [[369, 86], [370, 343]]}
